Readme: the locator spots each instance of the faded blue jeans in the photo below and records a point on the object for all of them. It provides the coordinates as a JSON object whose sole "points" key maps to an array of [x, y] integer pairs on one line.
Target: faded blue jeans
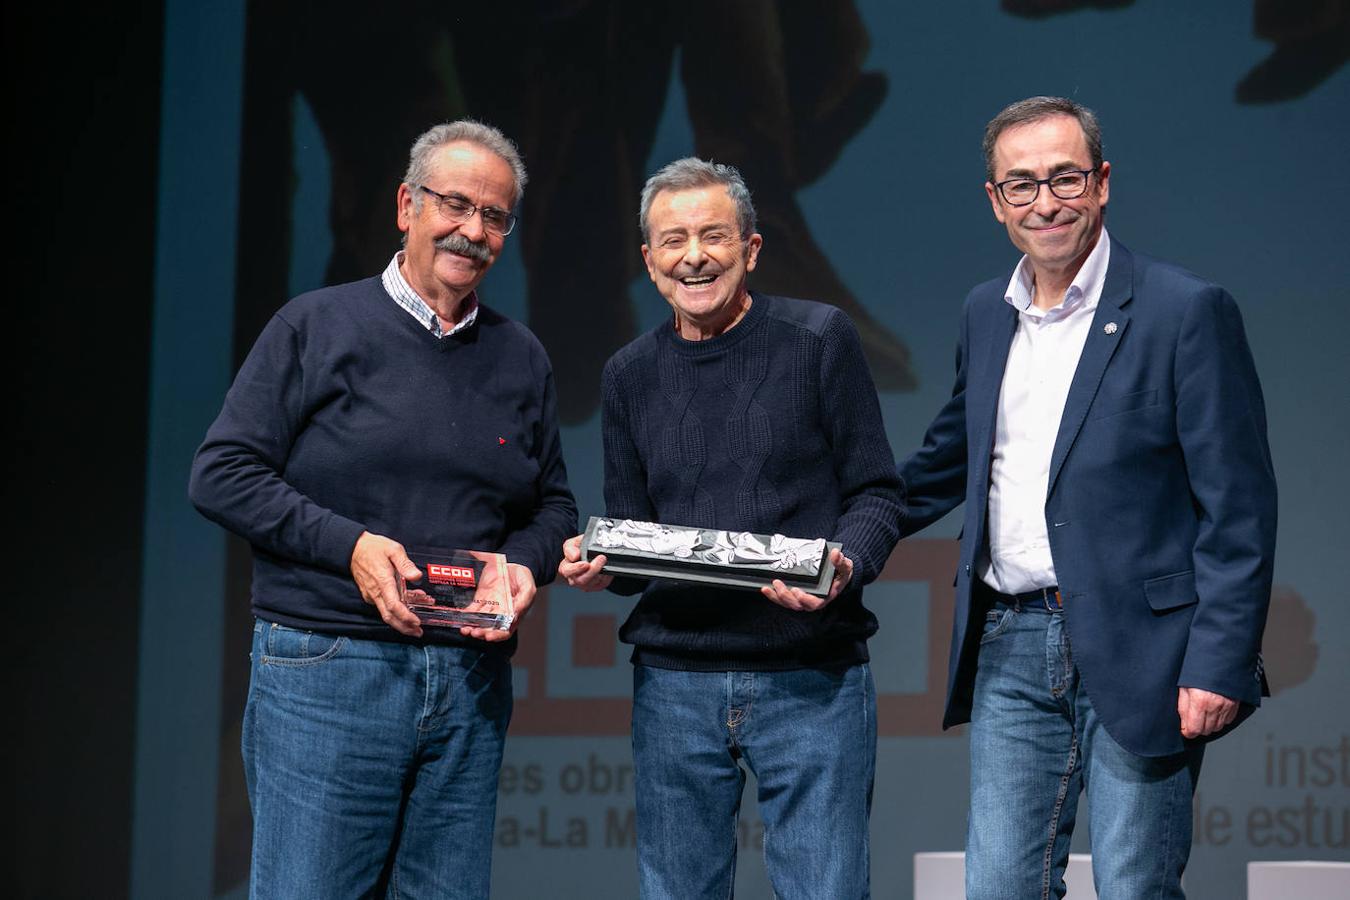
{"points": [[1035, 744], [372, 765], [809, 736]]}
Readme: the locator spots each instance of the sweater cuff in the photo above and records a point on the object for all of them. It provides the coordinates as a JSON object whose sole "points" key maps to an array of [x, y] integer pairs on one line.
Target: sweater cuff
{"points": [[1236, 681], [521, 553], [868, 542], [336, 542]]}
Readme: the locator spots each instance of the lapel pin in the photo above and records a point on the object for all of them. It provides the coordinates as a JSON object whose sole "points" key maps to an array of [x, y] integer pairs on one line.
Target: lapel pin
{"points": [[1110, 328]]}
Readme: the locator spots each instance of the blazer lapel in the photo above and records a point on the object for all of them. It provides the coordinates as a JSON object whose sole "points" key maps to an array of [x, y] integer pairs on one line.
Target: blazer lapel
{"points": [[986, 382], [1101, 344]]}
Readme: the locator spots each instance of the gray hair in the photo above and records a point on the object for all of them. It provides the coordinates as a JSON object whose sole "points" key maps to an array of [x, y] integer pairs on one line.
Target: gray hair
{"points": [[1034, 109], [470, 131], [691, 172]]}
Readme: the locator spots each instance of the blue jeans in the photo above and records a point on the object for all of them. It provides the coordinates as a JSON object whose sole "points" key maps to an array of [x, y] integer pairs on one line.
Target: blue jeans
{"points": [[810, 737], [1035, 743], [372, 765]]}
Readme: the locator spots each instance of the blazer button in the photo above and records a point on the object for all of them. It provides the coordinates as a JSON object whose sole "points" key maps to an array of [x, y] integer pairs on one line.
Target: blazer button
{"points": [[967, 568]]}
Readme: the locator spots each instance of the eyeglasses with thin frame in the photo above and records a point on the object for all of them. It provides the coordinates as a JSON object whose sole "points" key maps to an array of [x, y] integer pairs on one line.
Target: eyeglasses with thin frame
{"points": [[1066, 185], [458, 210]]}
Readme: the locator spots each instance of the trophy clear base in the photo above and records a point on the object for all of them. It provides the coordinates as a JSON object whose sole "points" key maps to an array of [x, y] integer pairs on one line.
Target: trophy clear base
{"points": [[460, 588], [432, 615]]}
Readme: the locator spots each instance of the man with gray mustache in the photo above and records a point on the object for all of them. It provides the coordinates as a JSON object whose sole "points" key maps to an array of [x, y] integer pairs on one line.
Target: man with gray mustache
{"points": [[387, 412]]}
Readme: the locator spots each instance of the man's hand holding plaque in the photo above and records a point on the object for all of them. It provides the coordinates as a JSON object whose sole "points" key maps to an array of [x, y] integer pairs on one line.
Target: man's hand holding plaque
{"points": [[583, 574], [798, 599]]}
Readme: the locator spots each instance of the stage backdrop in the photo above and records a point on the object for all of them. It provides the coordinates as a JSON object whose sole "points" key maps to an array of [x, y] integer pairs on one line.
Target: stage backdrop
{"points": [[858, 128]]}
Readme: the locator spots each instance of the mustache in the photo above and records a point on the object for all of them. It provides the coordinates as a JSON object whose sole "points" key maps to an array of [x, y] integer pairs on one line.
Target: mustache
{"points": [[458, 243]]}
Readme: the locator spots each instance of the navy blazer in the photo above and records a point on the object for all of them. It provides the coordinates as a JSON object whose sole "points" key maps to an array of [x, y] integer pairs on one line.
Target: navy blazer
{"points": [[1161, 502]]}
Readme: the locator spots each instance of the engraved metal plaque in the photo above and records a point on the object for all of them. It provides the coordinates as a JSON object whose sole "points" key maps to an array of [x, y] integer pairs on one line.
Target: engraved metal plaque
{"points": [[734, 559]]}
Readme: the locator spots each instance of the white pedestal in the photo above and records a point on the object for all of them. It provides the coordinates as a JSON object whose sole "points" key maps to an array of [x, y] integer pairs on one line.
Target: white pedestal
{"points": [[942, 876], [1306, 880], [939, 876]]}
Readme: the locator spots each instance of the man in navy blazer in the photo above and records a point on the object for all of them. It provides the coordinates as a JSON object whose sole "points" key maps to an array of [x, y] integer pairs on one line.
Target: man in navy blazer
{"points": [[1108, 430]]}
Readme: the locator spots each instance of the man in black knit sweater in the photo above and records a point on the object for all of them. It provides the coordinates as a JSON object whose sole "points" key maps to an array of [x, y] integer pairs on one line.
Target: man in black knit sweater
{"points": [[368, 416], [746, 412]]}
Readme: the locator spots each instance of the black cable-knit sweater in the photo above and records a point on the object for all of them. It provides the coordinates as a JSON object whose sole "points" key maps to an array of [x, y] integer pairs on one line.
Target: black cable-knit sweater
{"points": [[773, 426]]}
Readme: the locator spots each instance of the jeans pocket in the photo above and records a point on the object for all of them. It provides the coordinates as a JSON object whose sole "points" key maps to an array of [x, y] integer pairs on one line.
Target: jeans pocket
{"points": [[285, 646], [996, 621]]}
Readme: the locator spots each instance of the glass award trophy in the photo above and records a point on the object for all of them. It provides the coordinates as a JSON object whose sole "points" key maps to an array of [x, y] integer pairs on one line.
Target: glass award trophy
{"points": [[460, 587], [733, 559]]}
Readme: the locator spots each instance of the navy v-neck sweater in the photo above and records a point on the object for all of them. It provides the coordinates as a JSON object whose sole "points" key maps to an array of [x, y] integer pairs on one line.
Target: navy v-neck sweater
{"points": [[773, 426], [349, 416]]}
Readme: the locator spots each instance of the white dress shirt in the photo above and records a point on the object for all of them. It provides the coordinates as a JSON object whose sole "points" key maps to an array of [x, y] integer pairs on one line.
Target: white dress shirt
{"points": [[396, 286], [1041, 363]]}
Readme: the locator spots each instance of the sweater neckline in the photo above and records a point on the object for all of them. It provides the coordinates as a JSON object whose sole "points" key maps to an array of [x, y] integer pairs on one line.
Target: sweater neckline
{"points": [[408, 323], [749, 322]]}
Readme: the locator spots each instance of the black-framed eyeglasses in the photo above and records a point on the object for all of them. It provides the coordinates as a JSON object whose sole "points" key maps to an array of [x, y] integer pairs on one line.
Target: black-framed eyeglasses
{"points": [[459, 210], [1067, 185]]}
